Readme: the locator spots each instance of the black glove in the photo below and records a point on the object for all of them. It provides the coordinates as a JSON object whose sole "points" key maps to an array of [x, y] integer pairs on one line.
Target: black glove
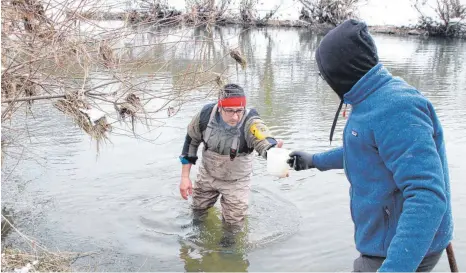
{"points": [[300, 160]]}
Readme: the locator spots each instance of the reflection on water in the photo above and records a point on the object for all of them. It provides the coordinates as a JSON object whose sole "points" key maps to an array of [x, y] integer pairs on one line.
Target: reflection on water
{"points": [[127, 202], [211, 246]]}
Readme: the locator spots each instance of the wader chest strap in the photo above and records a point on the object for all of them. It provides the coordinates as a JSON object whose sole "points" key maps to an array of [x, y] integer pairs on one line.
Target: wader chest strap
{"points": [[236, 140]]}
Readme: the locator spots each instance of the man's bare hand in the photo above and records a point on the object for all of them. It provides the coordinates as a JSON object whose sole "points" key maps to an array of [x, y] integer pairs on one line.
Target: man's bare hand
{"points": [[279, 143], [186, 187]]}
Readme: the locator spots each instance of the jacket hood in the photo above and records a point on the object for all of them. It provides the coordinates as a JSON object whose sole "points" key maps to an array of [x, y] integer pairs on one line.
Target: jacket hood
{"points": [[344, 56]]}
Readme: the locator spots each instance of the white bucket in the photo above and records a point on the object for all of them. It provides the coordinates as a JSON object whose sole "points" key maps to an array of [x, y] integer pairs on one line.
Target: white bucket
{"points": [[276, 162]]}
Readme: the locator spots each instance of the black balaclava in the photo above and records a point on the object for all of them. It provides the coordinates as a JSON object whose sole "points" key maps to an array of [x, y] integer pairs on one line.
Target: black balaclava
{"points": [[344, 56]]}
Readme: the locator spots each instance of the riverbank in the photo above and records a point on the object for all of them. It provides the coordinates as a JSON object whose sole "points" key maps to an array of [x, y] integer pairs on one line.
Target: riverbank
{"points": [[176, 18], [36, 258]]}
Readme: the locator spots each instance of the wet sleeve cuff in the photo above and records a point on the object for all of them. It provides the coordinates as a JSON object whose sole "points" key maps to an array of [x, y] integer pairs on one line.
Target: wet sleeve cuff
{"points": [[272, 141], [188, 159]]}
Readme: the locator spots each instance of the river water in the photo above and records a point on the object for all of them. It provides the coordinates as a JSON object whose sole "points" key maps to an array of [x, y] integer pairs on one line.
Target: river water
{"points": [[125, 203]]}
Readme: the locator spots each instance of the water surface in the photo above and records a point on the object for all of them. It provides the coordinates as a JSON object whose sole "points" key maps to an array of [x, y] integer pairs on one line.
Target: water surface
{"points": [[126, 202]]}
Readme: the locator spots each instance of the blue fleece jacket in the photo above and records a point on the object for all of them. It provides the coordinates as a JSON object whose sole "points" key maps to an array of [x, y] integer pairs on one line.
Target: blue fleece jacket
{"points": [[394, 158]]}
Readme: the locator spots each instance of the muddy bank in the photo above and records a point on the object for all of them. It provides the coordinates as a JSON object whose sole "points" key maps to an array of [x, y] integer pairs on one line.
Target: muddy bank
{"points": [[402, 31]]}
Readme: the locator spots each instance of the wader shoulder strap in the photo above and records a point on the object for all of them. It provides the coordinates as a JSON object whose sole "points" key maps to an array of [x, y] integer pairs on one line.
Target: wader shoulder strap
{"points": [[208, 130]]}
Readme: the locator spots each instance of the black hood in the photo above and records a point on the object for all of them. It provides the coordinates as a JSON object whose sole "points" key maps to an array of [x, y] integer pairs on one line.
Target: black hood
{"points": [[344, 56]]}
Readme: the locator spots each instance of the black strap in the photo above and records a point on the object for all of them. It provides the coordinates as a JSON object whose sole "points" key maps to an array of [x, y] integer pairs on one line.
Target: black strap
{"points": [[335, 121]]}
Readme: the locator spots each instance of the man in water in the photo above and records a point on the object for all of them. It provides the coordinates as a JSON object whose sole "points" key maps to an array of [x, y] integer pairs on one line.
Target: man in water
{"points": [[230, 133], [393, 154]]}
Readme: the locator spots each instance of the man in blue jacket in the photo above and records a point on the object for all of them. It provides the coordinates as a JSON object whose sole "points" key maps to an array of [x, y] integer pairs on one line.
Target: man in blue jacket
{"points": [[393, 155]]}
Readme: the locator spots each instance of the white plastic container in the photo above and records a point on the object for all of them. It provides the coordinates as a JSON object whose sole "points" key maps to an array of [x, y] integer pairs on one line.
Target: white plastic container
{"points": [[276, 162]]}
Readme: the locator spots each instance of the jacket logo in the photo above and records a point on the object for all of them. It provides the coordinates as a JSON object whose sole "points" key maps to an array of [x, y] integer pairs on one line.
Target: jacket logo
{"points": [[354, 133]]}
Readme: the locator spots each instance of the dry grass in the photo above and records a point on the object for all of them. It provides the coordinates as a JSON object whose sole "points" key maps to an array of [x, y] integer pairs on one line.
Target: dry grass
{"points": [[73, 107], [333, 12], [38, 258], [14, 259], [450, 22], [17, 85], [47, 56], [206, 11], [130, 107], [239, 58], [248, 13]]}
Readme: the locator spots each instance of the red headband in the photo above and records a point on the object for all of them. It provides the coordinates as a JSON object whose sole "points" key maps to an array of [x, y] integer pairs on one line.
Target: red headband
{"points": [[232, 102]]}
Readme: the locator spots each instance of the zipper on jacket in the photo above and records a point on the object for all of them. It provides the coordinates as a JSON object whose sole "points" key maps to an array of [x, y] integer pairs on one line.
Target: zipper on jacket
{"points": [[386, 216], [345, 162]]}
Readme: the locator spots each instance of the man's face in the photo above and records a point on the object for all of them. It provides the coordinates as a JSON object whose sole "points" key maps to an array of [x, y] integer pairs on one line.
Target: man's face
{"points": [[232, 115]]}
